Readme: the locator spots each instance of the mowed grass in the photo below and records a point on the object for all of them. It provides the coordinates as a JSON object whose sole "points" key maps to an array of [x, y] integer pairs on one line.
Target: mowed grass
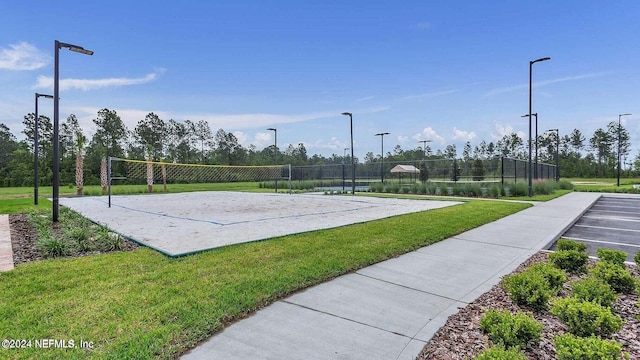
{"points": [[22, 205], [605, 184], [545, 197], [94, 190], [143, 305]]}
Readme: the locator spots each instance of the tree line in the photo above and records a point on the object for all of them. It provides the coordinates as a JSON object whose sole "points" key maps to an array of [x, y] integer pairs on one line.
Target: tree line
{"points": [[194, 142]]}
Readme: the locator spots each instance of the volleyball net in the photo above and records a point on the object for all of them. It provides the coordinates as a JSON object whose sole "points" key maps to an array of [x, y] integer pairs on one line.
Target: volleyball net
{"points": [[155, 173]]}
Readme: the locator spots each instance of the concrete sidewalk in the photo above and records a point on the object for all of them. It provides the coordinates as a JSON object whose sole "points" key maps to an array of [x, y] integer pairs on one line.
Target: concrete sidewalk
{"points": [[6, 251], [391, 309]]}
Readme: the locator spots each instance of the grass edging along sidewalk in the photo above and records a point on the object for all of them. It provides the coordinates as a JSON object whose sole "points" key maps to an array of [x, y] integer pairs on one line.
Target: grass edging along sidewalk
{"points": [[140, 304]]}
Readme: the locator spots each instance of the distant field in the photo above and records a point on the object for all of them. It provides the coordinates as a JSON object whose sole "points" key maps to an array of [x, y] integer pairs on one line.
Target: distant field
{"points": [[604, 184], [47, 191]]}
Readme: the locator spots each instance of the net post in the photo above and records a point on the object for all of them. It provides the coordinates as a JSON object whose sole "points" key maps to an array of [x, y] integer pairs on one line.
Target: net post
{"points": [[289, 166], [109, 179]]}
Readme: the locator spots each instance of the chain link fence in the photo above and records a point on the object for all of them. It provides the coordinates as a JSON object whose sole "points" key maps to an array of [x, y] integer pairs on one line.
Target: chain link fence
{"points": [[497, 170]]}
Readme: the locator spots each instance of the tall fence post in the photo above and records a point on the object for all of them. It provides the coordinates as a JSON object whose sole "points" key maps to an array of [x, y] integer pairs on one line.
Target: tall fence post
{"points": [[502, 170]]}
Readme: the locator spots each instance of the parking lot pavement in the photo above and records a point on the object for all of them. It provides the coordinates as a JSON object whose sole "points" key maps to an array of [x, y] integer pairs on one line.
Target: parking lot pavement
{"points": [[613, 222]]}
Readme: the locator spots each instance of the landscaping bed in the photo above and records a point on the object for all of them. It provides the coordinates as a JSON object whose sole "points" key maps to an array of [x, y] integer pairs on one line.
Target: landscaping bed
{"points": [[83, 239], [462, 337]]}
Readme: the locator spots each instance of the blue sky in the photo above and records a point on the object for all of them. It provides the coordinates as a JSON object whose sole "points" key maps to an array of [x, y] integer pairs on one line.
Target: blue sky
{"points": [[446, 71]]}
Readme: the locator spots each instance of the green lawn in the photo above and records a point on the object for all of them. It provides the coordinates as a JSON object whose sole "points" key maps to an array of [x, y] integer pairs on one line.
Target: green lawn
{"points": [[546, 197], [605, 185], [143, 305], [47, 191], [22, 205]]}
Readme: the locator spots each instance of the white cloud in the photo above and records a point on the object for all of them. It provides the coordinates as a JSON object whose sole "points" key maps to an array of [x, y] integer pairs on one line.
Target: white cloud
{"points": [[463, 135], [241, 136], [240, 121], [543, 83], [46, 82], [334, 145], [130, 117], [22, 56], [403, 139], [429, 134], [502, 130], [261, 140]]}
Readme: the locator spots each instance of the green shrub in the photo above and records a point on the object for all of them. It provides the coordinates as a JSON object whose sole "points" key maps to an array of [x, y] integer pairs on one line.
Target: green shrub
{"points": [[500, 353], [472, 190], [594, 290], [529, 288], [377, 187], [615, 257], [50, 246], [565, 245], [509, 330], [565, 185], [444, 190], [619, 278], [456, 190], [636, 258], [81, 236], [109, 241], [519, 189], [555, 277], [405, 189], [569, 347], [584, 318], [573, 261], [393, 188], [494, 191], [542, 188]]}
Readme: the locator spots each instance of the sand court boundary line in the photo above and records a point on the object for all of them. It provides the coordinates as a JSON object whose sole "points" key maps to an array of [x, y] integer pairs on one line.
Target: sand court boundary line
{"points": [[180, 224]]}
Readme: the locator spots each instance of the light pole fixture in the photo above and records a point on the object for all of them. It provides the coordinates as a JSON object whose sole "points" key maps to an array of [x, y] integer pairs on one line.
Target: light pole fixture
{"points": [[535, 169], [424, 146], [557, 153], [275, 150], [382, 153], [353, 164], [56, 131], [530, 92], [619, 126], [35, 150]]}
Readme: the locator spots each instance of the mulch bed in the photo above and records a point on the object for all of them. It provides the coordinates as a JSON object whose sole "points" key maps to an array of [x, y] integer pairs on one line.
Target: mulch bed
{"points": [[461, 338], [24, 238]]}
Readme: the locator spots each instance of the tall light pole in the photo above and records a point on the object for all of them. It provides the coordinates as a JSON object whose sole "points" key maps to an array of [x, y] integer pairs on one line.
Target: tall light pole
{"points": [[344, 156], [557, 153], [382, 153], [424, 146], [424, 156], [535, 169], [353, 164], [35, 150], [619, 126], [530, 92], [275, 150], [56, 133]]}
